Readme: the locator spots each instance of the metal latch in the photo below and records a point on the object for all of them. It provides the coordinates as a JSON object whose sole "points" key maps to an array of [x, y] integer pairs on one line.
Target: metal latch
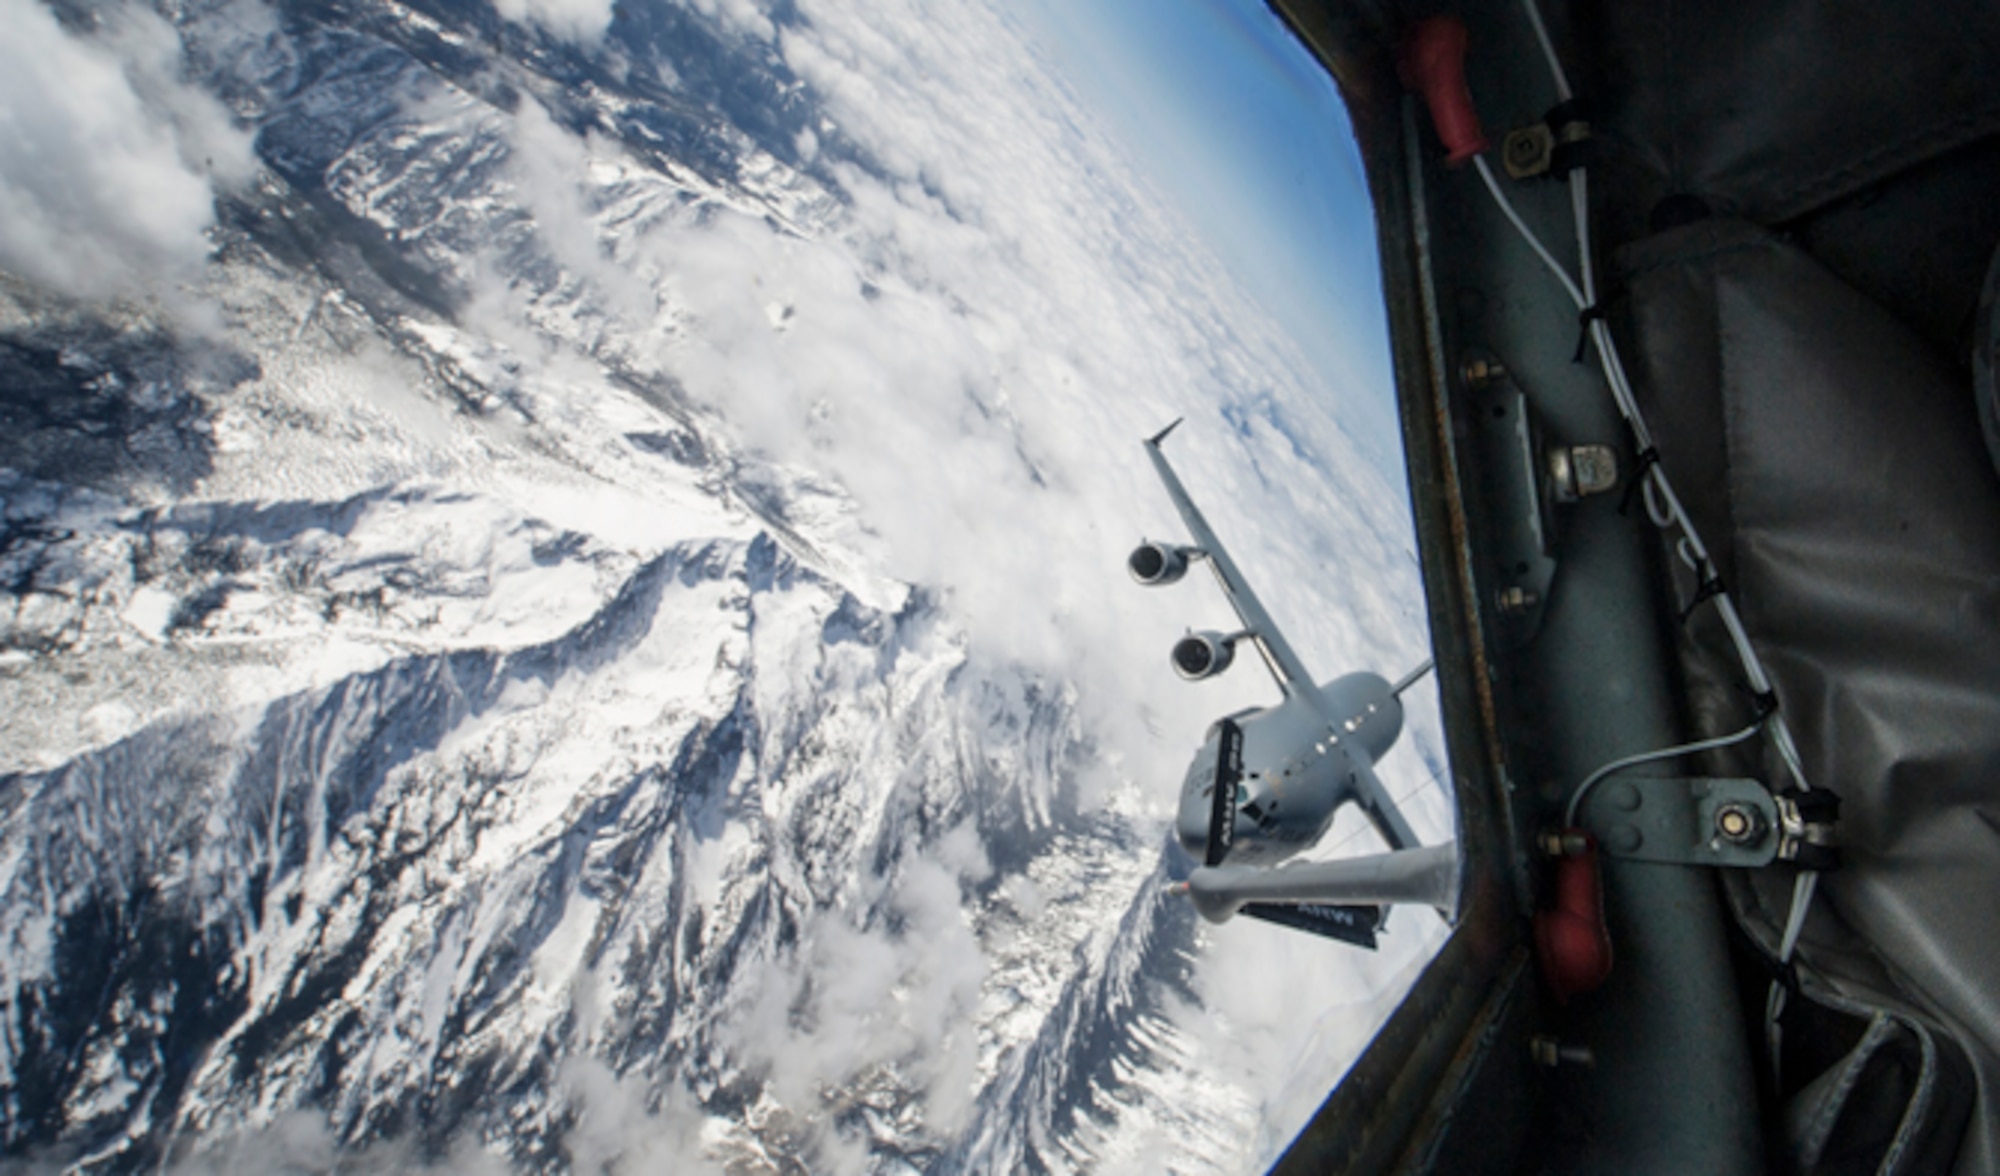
{"points": [[1692, 820], [1809, 828]]}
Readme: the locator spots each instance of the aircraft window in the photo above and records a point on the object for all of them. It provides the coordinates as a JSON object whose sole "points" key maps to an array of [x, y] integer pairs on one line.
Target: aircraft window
{"points": [[1300, 480], [1305, 565]]}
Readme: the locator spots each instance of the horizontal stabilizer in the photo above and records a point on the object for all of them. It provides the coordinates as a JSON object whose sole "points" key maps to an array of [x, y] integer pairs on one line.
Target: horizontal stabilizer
{"points": [[1349, 924], [1412, 678]]}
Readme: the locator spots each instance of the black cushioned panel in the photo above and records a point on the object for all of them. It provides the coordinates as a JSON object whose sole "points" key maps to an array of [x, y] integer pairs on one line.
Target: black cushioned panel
{"points": [[1770, 109]]}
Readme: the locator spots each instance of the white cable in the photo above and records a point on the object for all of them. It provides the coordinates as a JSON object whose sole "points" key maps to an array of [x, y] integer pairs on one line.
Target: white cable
{"points": [[1527, 234], [1664, 508], [1548, 49], [1647, 757], [1795, 924], [1663, 505]]}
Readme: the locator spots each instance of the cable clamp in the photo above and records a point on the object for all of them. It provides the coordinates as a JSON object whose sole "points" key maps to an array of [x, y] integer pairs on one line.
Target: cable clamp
{"points": [[1642, 465], [1785, 974], [1573, 147], [1588, 315], [1711, 586], [1809, 828], [1553, 147]]}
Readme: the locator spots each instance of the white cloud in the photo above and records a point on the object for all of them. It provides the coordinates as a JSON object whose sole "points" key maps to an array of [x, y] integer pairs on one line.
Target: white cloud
{"points": [[617, 1132], [860, 1011], [583, 21], [551, 170], [107, 158], [742, 16], [971, 349], [974, 352], [302, 1142], [975, 349]]}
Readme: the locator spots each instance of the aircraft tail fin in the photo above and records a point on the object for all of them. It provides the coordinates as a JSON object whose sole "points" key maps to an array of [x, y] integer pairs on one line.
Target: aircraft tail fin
{"points": [[1349, 924]]}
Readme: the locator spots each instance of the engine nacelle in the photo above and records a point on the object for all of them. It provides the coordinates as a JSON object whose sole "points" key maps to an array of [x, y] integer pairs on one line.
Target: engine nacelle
{"points": [[1154, 564], [1204, 654]]}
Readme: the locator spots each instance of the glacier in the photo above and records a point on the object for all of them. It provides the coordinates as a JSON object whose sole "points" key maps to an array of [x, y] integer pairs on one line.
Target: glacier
{"points": [[586, 634]]}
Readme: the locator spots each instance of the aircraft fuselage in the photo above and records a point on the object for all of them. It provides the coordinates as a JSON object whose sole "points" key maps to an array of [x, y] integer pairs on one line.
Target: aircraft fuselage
{"points": [[1300, 761]]}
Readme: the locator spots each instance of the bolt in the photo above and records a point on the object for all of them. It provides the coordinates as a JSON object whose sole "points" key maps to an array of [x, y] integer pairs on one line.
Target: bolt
{"points": [[1479, 372], [1562, 843], [1625, 839], [1561, 475], [1595, 468], [1525, 152], [1547, 1051], [1739, 824]]}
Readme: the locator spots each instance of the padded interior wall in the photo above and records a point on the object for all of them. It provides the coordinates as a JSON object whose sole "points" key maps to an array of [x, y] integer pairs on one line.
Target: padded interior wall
{"points": [[1805, 355], [1837, 469]]}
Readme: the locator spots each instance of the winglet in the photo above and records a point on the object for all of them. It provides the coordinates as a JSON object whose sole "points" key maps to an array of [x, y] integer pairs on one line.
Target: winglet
{"points": [[1160, 436]]}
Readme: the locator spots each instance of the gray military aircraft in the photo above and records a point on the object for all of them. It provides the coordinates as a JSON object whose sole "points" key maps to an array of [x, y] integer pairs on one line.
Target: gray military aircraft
{"points": [[1268, 781]]}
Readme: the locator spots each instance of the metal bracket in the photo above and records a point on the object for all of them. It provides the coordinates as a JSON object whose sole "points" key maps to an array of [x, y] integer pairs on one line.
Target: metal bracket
{"points": [[1527, 478], [1524, 540], [1687, 820]]}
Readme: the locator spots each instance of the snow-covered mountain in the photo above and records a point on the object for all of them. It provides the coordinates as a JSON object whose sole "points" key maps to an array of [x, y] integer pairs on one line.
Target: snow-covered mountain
{"points": [[560, 602]]}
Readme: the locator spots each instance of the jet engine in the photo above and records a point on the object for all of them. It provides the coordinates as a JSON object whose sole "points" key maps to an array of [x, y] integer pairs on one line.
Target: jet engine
{"points": [[1204, 654], [1153, 564]]}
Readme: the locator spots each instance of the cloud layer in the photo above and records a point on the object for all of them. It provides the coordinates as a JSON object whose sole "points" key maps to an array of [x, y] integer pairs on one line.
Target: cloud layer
{"points": [[107, 159], [963, 340], [970, 348]]}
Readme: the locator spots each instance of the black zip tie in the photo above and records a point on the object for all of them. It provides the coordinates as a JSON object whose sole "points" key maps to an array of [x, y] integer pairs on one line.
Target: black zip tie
{"points": [[1647, 459], [1584, 317], [1711, 585], [1569, 151], [1763, 704], [1564, 113]]}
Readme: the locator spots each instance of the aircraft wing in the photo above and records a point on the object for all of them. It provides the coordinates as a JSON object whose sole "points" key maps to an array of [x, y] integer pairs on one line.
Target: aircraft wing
{"points": [[1291, 673]]}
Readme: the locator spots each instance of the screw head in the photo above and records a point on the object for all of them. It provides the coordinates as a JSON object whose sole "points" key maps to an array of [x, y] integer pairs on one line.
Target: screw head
{"points": [[1738, 824]]}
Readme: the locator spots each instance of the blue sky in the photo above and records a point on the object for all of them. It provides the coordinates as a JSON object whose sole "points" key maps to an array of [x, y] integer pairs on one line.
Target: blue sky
{"points": [[1248, 136]]}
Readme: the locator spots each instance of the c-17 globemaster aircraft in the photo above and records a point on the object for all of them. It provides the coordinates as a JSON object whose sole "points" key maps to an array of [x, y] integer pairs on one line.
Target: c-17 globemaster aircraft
{"points": [[1268, 781]]}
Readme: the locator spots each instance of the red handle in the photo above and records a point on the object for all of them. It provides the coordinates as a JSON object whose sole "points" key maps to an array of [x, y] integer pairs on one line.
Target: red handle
{"points": [[1571, 939], [1433, 63]]}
